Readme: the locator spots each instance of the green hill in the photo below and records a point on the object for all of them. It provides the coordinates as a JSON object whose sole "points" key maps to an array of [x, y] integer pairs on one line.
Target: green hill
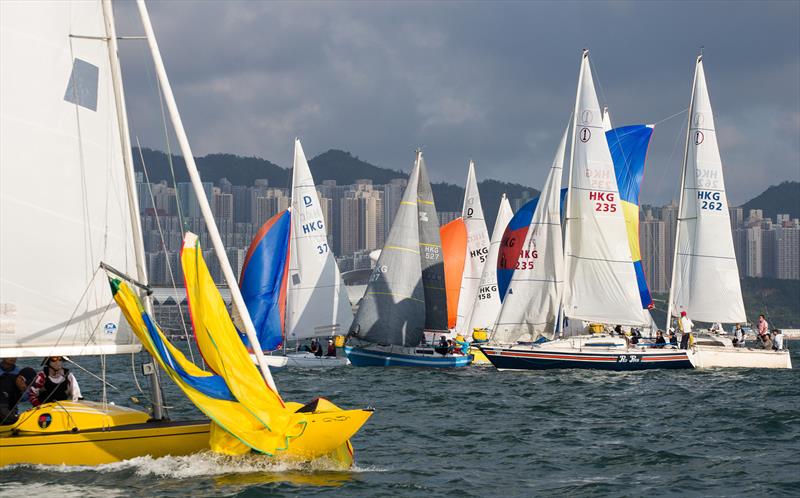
{"points": [[331, 165], [778, 199]]}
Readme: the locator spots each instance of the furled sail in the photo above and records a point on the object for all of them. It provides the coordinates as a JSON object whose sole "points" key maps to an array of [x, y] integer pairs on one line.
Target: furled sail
{"points": [[392, 310], [487, 301], [263, 280], [531, 306], [601, 282], [705, 278], [476, 252], [628, 146], [430, 253], [317, 304], [454, 250], [63, 202]]}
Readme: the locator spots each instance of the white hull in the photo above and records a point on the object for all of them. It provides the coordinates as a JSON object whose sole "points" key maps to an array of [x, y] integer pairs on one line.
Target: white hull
{"points": [[729, 357], [308, 360]]}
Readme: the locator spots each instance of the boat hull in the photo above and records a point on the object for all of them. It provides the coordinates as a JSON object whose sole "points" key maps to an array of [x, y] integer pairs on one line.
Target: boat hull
{"points": [[537, 359], [729, 357], [99, 446], [363, 357], [308, 360]]}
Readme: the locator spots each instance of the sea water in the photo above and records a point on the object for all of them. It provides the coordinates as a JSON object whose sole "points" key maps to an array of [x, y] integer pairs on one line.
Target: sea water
{"points": [[480, 432]]}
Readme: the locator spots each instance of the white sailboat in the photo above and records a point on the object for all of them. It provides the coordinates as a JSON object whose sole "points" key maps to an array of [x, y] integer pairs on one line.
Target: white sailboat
{"points": [[316, 298], [487, 302], [600, 284], [68, 204], [531, 305], [477, 253], [705, 276]]}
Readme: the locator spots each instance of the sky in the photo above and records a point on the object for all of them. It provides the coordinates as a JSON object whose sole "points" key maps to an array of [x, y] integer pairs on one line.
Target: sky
{"points": [[489, 81]]}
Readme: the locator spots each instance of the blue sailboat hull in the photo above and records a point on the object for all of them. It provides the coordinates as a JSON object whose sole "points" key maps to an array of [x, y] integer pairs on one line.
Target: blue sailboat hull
{"points": [[362, 357], [516, 359]]}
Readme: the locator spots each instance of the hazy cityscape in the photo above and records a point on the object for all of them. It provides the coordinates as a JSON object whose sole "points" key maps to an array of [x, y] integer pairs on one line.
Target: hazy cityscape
{"points": [[357, 217]]}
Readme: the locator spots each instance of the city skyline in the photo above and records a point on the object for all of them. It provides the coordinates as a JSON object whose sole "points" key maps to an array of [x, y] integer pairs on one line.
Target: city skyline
{"points": [[358, 216]]}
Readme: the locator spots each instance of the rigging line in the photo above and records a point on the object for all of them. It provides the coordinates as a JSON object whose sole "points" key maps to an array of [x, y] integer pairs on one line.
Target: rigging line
{"points": [[101, 379], [166, 252], [670, 117]]}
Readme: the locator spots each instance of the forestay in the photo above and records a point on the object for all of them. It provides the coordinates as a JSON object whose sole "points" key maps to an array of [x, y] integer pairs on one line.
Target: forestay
{"points": [[531, 305], [64, 207], [392, 310], [601, 283], [477, 251], [430, 253], [487, 301], [317, 304], [705, 278]]}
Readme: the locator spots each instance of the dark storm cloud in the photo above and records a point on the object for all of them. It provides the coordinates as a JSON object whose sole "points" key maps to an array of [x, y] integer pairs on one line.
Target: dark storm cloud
{"points": [[490, 81]]}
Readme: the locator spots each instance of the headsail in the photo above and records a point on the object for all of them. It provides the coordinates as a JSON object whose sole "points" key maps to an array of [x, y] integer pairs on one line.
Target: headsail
{"points": [[317, 304], [454, 252], [476, 254], [628, 146], [263, 281], [487, 301], [601, 283], [705, 278], [392, 310], [63, 203], [531, 305], [430, 253]]}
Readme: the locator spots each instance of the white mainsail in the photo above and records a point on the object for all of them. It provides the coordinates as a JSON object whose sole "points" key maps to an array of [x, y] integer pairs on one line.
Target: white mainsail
{"points": [[316, 298], [531, 305], [487, 302], [705, 278], [601, 282], [477, 251], [63, 202]]}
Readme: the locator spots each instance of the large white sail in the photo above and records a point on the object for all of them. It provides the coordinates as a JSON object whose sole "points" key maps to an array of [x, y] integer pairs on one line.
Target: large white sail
{"points": [[477, 250], [601, 282], [64, 207], [487, 302], [531, 305], [705, 280], [316, 298]]}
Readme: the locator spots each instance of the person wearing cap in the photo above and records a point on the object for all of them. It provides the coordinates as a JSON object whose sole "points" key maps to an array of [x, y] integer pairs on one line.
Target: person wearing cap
{"points": [[54, 383], [13, 389], [331, 348]]}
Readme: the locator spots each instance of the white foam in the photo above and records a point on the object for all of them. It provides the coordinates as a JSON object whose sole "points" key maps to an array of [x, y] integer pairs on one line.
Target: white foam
{"points": [[206, 464]]}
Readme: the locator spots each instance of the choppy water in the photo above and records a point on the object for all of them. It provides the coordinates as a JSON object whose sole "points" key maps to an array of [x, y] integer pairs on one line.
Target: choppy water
{"points": [[479, 432]]}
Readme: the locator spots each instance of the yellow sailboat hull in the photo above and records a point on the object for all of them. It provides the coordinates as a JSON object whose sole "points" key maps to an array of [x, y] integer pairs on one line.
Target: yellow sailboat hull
{"points": [[86, 433], [479, 357]]}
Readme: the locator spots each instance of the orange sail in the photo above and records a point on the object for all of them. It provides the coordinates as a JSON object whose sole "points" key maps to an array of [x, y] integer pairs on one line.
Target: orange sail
{"points": [[454, 249]]}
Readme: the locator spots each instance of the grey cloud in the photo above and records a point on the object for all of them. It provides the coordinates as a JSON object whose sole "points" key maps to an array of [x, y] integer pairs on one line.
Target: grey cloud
{"points": [[490, 81]]}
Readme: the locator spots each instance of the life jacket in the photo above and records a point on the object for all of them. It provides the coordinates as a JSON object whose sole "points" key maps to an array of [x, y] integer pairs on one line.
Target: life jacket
{"points": [[52, 391]]}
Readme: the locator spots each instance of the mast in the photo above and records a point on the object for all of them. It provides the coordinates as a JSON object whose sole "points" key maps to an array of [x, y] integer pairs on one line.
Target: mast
{"points": [[680, 202], [205, 208], [130, 182], [568, 215]]}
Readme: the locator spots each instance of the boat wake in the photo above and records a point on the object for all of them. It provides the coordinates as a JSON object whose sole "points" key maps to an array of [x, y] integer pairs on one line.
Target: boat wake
{"points": [[208, 464]]}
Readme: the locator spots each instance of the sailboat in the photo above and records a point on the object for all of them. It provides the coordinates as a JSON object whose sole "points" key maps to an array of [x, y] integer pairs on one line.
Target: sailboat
{"points": [[598, 275], [290, 280], [66, 169], [91, 195], [486, 306], [705, 277], [405, 297], [477, 257]]}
